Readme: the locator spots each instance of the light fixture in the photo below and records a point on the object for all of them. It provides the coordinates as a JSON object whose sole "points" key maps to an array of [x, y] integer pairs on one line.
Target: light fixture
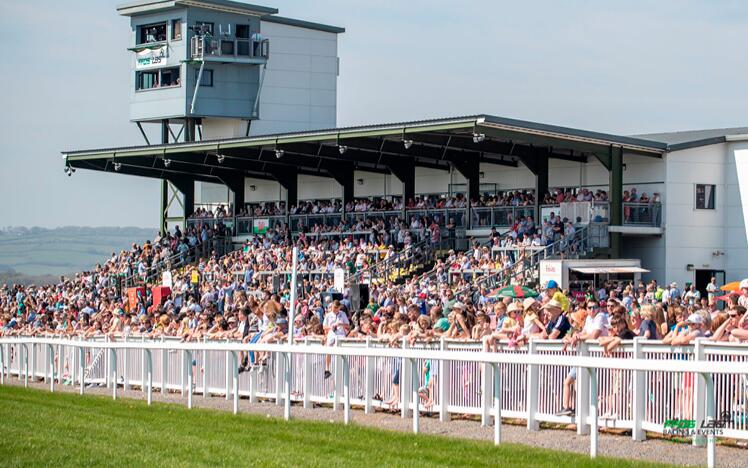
{"points": [[117, 166], [482, 174], [69, 170], [279, 153], [252, 188], [220, 158], [407, 143], [342, 149], [167, 162], [360, 181], [478, 137]]}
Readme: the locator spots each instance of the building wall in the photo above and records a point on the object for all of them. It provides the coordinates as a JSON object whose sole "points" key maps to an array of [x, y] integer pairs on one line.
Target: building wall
{"points": [[299, 90], [691, 235], [160, 103], [736, 204]]}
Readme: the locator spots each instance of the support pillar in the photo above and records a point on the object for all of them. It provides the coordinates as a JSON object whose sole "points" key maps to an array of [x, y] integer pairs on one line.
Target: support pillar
{"points": [[236, 185], [405, 171], [469, 167], [343, 174], [289, 181], [613, 162], [536, 160]]}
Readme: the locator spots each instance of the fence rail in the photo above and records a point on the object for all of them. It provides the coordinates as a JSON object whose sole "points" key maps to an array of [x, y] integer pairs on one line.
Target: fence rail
{"points": [[640, 388]]}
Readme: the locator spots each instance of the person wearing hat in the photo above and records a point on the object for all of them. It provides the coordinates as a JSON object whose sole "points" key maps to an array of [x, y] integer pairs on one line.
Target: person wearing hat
{"points": [[557, 325], [694, 329], [552, 291], [743, 299]]}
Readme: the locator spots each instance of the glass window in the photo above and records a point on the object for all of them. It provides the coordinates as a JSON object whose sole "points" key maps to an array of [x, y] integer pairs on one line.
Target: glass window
{"points": [[151, 33], [202, 27], [176, 30], [705, 196], [207, 79], [170, 76], [146, 80], [242, 31]]}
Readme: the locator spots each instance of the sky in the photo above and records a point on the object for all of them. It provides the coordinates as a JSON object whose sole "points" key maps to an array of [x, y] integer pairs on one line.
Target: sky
{"points": [[622, 67]]}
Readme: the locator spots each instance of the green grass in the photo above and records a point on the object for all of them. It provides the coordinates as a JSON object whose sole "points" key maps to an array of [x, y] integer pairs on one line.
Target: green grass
{"points": [[39, 428]]}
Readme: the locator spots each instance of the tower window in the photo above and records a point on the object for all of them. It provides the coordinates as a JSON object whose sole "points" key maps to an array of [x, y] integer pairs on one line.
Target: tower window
{"points": [[152, 33], [162, 78], [176, 30]]}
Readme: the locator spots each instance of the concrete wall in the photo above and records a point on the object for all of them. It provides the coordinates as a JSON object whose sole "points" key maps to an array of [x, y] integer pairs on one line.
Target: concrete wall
{"points": [[735, 197]]}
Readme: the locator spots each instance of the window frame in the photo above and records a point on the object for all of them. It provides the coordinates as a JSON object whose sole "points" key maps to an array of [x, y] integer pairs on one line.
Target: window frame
{"points": [[696, 197], [158, 72], [150, 25], [206, 72], [171, 31]]}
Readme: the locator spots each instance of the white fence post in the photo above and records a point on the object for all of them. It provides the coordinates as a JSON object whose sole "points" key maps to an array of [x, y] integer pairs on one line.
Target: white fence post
{"points": [[188, 358], [33, 361], [346, 390], [592, 373], [125, 374], [486, 394], [369, 384], [405, 383], [711, 450], [532, 389], [280, 365], [164, 368], [148, 357], [82, 363], [496, 372], [699, 390], [639, 389], [414, 377], [51, 358], [443, 384], [583, 393], [204, 373]]}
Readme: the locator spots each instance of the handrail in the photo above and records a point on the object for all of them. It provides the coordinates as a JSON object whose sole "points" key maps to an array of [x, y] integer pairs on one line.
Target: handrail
{"points": [[596, 377]]}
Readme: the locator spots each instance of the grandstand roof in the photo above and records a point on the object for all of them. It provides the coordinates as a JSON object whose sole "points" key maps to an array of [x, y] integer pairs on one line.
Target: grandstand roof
{"points": [[434, 143]]}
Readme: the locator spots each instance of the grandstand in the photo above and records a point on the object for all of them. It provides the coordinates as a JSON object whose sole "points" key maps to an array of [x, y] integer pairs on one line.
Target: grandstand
{"points": [[406, 264]]}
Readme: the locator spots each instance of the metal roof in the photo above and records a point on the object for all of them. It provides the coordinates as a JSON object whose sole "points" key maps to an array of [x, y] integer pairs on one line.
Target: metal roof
{"points": [[148, 6], [694, 138], [303, 24], [385, 148]]}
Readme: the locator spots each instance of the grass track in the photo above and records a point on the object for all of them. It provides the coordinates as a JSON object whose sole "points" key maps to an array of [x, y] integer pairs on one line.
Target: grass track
{"points": [[43, 429]]}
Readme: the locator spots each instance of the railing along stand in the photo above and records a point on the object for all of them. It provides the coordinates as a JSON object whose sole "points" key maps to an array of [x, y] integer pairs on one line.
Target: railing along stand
{"points": [[346, 389], [639, 389], [699, 391], [583, 394], [148, 356], [188, 361], [711, 448], [51, 366], [496, 372], [307, 377], [235, 381], [404, 383], [369, 384], [443, 384], [113, 366], [532, 389], [82, 368], [592, 373], [414, 381]]}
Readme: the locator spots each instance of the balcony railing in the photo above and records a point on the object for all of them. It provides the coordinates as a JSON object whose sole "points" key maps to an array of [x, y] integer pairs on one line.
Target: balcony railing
{"points": [[634, 214], [231, 47]]}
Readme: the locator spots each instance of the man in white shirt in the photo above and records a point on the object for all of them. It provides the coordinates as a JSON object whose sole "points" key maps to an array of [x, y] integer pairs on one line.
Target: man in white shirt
{"points": [[335, 324]]}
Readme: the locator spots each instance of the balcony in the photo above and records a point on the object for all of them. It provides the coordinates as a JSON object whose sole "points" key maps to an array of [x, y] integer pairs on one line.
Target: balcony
{"points": [[229, 49]]}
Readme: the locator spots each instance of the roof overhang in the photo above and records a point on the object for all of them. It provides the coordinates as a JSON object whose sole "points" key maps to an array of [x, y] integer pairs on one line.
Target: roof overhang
{"points": [[434, 144], [141, 7]]}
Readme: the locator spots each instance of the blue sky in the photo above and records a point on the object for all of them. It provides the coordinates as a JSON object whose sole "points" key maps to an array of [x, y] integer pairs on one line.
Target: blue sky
{"points": [[616, 66]]}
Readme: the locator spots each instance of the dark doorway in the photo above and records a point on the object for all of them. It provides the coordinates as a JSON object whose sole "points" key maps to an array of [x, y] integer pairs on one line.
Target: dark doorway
{"points": [[703, 277]]}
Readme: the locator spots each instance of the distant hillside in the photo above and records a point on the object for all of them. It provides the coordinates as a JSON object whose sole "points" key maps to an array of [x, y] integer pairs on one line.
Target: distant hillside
{"points": [[49, 253]]}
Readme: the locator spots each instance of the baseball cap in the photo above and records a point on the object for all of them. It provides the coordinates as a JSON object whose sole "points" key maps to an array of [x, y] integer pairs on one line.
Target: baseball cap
{"points": [[695, 319], [552, 284], [744, 284]]}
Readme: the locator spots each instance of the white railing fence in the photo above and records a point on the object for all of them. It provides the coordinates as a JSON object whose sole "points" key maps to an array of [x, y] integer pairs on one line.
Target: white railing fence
{"points": [[643, 385]]}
